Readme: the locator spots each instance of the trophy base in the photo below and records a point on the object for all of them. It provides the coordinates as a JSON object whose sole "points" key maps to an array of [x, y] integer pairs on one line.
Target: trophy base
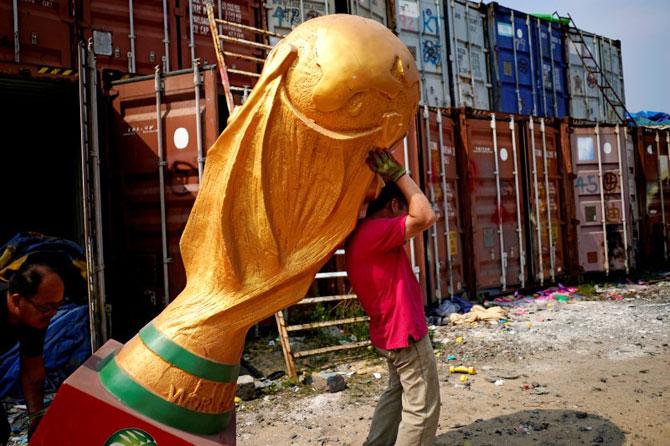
{"points": [[84, 413]]}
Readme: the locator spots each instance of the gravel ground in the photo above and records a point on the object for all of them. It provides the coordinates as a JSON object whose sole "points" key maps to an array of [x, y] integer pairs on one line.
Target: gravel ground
{"points": [[583, 372]]}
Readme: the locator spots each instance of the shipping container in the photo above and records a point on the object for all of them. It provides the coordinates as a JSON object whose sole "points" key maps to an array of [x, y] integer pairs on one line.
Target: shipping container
{"points": [[605, 198], [493, 203], [421, 26], [283, 16], [468, 54], [527, 63], [652, 149], [149, 212], [586, 97], [134, 37], [44, 30], [545, 210], [377, 10], [441, 184], [41, 169]]}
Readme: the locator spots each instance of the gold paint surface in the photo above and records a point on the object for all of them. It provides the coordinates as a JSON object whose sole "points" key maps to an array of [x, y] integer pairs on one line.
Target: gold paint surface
{"points": [[282, 188]]}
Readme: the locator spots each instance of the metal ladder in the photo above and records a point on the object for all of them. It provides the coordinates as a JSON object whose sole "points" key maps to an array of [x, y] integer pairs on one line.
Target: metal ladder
{"points": [[609, 93], [216, 28]]}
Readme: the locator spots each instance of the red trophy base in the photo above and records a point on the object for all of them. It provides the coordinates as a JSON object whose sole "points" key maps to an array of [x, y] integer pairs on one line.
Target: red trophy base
{"points": [[83, 413]]}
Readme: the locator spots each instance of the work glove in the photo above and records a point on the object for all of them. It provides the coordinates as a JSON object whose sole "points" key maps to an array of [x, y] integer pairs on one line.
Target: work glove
{"points": [[382, 163]]}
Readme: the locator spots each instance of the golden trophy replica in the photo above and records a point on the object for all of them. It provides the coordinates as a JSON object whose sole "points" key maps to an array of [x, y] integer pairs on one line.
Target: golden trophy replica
{"points": [[281, 190]]}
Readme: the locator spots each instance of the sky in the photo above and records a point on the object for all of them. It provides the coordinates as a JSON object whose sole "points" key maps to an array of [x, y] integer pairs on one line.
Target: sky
{"points": [[643, 26]]}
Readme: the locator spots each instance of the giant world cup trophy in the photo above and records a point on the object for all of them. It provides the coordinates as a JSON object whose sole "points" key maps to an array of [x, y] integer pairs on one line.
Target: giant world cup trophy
{"points": [[281, 190]]}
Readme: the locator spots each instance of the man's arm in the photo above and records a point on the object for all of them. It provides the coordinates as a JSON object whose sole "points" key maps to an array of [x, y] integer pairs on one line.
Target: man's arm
{"points": [[420, 212], [32, 382]]}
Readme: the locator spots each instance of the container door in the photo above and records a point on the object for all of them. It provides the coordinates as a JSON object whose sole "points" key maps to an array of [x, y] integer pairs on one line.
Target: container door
{"points": [[421, 27], [441, 178], [601, 197], [45, 33], [585, 96], [370, 9], [467, 52], [512, 62], [156, 161], [550, 69], [495, 204], [544, 182]]}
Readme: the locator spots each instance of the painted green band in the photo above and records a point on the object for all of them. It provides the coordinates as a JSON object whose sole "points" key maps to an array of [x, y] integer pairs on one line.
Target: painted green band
{"points": [[178, 356], [132, 394]]}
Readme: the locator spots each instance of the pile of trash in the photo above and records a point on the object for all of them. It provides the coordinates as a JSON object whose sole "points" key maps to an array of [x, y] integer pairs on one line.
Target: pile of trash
{"points": [[458, 311]]}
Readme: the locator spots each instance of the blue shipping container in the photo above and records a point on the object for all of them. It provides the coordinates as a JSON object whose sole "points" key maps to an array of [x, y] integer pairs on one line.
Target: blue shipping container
{"points": [[527, 63]]}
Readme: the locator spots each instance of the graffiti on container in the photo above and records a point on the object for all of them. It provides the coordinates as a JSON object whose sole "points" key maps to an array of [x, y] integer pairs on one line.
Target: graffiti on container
{"points": [[290, 15], [430, 24], [432, 53], [613, 214], [586, 184], [610, 181]]}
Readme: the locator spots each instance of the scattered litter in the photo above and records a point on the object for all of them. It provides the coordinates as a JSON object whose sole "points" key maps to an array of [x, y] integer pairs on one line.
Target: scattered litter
{"points": [[479, 313], [463, 378], [462, 369], [377, 375], [459, 340], [499, 382], [451, 358]]}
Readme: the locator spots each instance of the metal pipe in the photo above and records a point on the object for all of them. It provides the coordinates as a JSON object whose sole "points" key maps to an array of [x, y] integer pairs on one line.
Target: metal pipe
{"points": [[553, 68], [624, 208], [660, 188], [88, 243], [197, 82], [541, 68], [412, 248], [443, 53], [532, 67], [552, 248], [166, 38], [519, 104], [503, 254], [519, 231], [158, 87], [327, 7], [190, 30], [17, 40], [97, 197], [302, 11], [422, 68], [131, 36], [445, 203], [602, 201], [536, 189], [431, 189]]}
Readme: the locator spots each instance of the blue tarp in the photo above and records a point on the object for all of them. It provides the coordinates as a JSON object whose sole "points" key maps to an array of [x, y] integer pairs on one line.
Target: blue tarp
{"points": [[67, 345], [647, 118]]}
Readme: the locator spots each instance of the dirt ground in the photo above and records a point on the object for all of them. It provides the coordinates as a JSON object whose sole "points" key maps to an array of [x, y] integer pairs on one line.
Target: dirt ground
{"points": [[584, 372]]}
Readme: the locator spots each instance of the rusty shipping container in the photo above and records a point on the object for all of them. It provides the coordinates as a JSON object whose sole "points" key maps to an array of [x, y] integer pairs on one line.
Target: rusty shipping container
{"points": [[493, 201], [545, 211], [652, 149], [441, 184], [605, 197], [40, 33], [155, 164]]}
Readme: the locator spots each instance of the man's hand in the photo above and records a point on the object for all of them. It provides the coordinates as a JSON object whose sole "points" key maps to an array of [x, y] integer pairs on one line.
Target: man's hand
{"points": [[382, 163]]}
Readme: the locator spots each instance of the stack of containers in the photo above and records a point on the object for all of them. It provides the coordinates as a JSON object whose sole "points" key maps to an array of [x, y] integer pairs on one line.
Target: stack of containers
{"points": [[527, 63]]}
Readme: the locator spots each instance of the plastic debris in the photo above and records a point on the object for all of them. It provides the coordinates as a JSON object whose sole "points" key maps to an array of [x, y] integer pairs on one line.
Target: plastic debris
{"points": [[377, 375], [459, 340], [462, 369], [499, 382], [451, 358]]}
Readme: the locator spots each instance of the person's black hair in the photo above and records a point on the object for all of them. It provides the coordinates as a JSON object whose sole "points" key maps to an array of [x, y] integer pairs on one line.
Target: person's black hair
{"points": [[388, 193], [27, 279]]}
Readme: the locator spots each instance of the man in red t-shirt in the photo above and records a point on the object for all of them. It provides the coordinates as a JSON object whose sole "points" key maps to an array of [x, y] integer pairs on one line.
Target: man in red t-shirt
{"points": [[382, 277]]}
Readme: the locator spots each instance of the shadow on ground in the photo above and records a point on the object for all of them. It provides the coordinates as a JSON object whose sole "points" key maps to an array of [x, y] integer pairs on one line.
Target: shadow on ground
{"points": [[536, 427]]}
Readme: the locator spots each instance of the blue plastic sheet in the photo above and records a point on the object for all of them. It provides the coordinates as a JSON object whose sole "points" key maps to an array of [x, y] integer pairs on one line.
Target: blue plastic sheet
{"points": [[67, 345], [647, 118]]}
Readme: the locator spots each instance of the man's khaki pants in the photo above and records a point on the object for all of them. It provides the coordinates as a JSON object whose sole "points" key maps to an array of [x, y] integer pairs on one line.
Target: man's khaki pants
{"points": [[409, 408]]}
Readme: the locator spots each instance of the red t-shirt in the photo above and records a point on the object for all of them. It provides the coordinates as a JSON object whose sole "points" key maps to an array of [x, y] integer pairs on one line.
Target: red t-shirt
{"points": [[382, 277]]}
